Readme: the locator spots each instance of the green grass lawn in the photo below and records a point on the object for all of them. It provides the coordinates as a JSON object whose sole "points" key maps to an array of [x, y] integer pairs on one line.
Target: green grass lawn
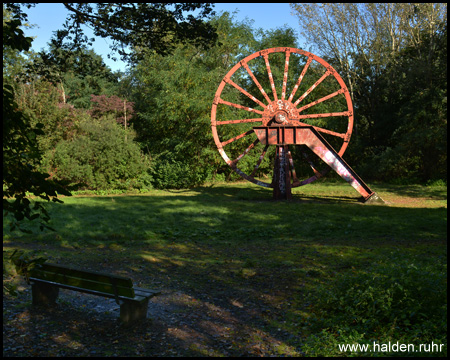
{"points": [[325, 268]]}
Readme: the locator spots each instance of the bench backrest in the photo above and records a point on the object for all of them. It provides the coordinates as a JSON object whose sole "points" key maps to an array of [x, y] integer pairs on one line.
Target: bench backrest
{"points": [[88, 280]]}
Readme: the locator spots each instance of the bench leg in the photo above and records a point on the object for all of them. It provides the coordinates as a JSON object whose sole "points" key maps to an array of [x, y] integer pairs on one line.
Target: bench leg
{"points": [[44, 294], [131, 311]]}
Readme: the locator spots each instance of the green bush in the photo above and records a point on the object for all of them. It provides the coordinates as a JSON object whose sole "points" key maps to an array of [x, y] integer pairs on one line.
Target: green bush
{"points": [[437, 183], [102, 156], [175, 174]]}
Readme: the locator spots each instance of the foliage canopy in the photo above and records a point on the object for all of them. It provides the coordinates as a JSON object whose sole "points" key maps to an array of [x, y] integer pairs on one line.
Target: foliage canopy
{"points": [[21, 155]]}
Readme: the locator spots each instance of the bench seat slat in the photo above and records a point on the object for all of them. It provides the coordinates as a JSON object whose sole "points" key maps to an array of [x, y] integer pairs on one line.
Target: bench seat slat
{"points": [[89, 275], [146, 292], [77, 283], [93, 292]]}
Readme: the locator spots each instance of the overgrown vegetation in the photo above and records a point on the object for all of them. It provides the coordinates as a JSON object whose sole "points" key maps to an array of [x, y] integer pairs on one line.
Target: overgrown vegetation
{"points": [[384, 303]]}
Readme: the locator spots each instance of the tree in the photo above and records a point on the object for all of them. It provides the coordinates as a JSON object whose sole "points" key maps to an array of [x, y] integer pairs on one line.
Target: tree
{"points": [[14, 61], [139, 26], [136, 25], [121, 109], [371, 32], [412, 129], [173, 97], [365, 43], [42, 102], [21, 155], [78, 74]]}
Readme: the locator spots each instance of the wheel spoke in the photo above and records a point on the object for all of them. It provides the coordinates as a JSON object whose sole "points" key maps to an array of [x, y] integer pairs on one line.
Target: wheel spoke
{"points": [[327, 73], [286, 68], [329, 132], [272, 84], [300, 78], [340, 91], [311, 163], [317, 173], [229, 81], [225, 122], [255, 80], [252, 145], [308, 181], [240, 107], [314, 116], [261, 157], [326, 131], [237, 137]]}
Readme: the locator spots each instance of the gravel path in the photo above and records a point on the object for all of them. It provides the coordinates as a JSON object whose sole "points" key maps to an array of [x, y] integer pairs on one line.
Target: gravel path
{"points": [[178, 325]]}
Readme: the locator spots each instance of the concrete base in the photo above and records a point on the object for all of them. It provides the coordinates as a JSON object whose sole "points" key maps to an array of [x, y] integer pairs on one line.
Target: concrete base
{"points": [[132, 311], [44, 294], [374, 199]]}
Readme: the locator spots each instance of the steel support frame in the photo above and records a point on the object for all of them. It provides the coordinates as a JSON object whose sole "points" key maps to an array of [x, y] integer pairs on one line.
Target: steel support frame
{"points": [[281, 136]]}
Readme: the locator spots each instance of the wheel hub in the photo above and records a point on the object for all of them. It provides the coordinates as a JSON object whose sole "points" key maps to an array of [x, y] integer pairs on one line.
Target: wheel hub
{"points": [[281, 117], [279, 111]]}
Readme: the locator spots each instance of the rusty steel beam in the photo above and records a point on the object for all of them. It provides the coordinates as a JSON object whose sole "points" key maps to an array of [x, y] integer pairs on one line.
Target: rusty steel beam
{"points": [[309, 136]]}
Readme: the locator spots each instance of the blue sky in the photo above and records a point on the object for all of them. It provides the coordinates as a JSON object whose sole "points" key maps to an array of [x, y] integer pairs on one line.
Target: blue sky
{"points": [[49, 17]]}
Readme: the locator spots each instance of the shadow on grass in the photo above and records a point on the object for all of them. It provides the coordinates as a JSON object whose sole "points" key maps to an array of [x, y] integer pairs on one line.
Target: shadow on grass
{"points": [[265, 194], [244, 264]]}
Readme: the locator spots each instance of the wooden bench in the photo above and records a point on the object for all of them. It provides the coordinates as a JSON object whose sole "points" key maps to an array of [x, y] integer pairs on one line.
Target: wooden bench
{"points": [[46, 279]]}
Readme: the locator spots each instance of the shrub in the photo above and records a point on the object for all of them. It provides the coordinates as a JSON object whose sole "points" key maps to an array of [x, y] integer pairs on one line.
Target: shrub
{"points": [[103, 156], [175, 174]]}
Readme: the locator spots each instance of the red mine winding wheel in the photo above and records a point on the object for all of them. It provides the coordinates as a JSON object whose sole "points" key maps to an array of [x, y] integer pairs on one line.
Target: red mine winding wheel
{"points": [[285, 114]]}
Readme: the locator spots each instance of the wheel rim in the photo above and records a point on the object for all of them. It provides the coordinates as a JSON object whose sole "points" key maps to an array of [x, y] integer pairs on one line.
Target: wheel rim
{"points": [[280, 105]]}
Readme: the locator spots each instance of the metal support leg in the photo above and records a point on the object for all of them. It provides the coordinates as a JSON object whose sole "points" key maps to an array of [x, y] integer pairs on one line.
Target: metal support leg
{"points": [[281, 175]]}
